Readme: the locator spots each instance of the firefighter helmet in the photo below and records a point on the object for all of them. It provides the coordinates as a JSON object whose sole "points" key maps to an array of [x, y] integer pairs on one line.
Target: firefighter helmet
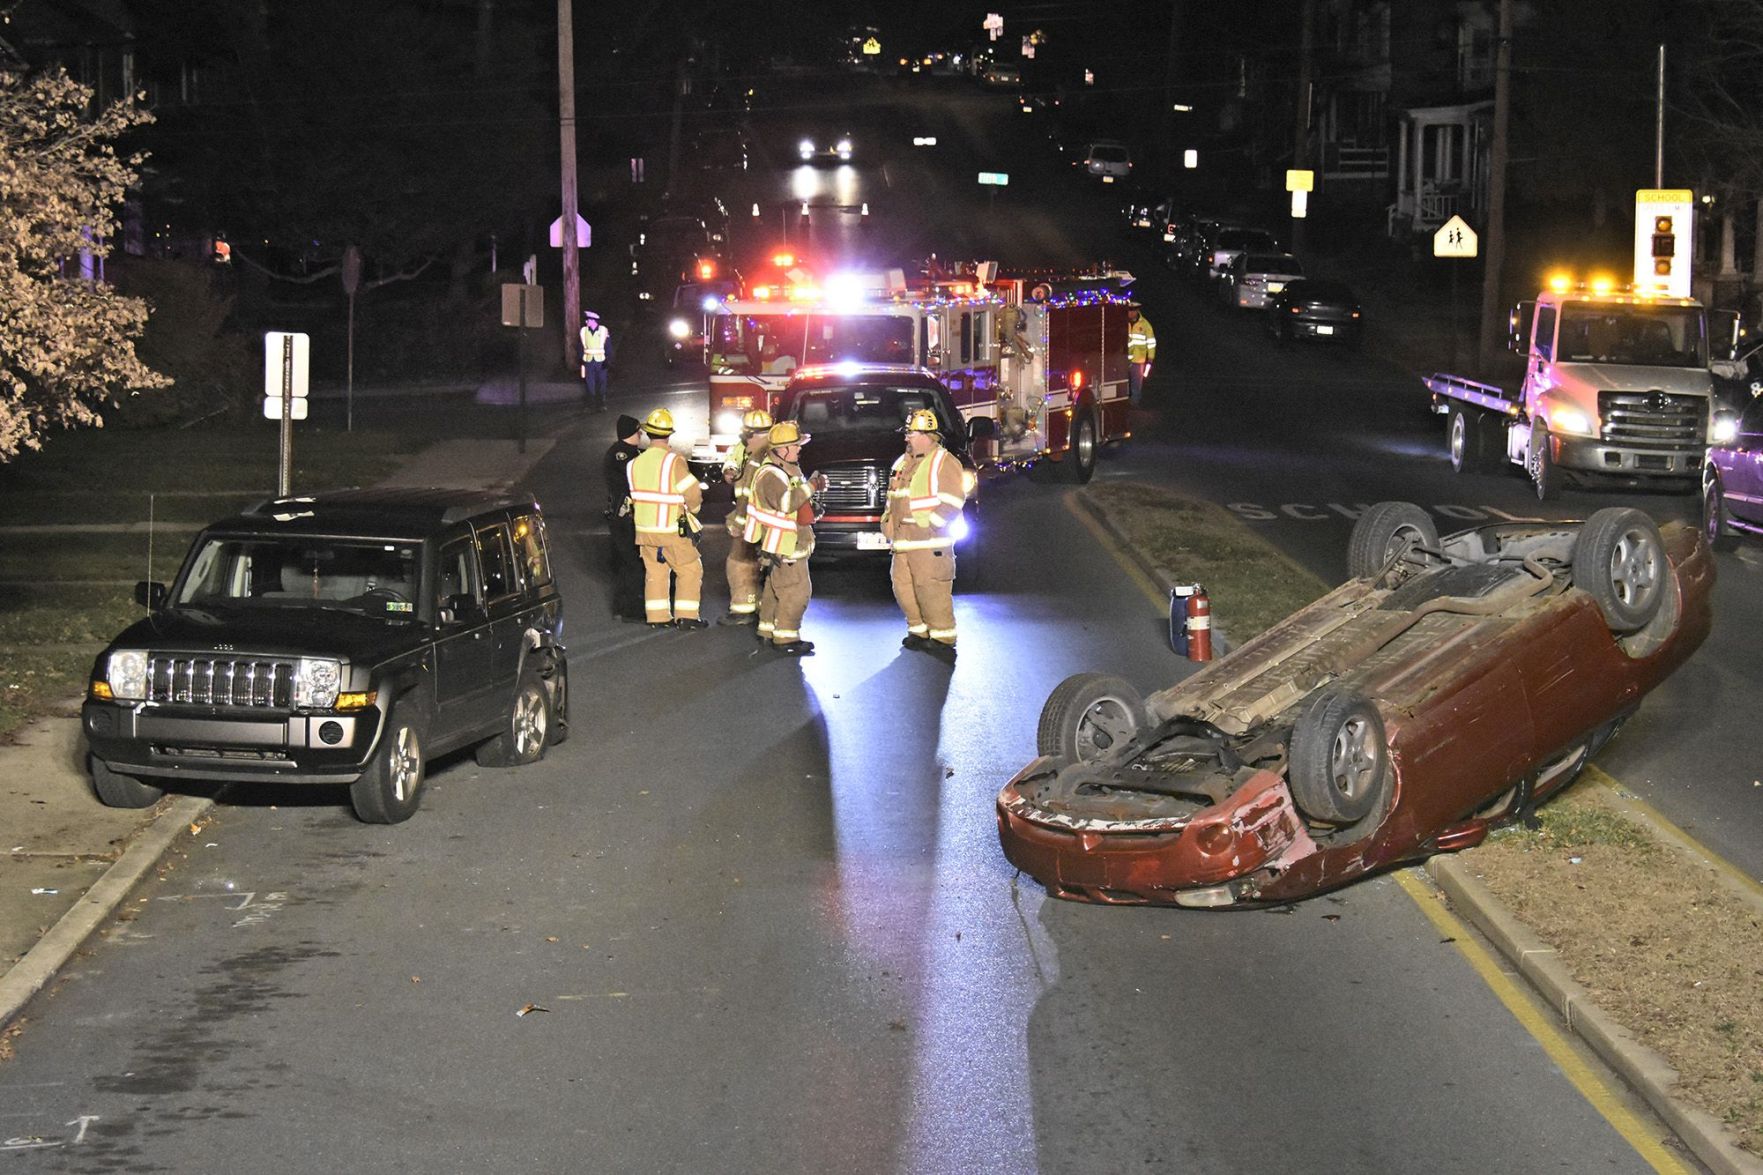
{"points": [[757, 420], [921, 420], [787, 432], [659, 423]]}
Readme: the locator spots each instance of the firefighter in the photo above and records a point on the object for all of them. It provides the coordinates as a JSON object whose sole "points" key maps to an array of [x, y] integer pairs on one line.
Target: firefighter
{"points": [[1141, 349], [925, 497], [595, 340], [665, 500], [780, 523], [742, 565], [627, 574]]}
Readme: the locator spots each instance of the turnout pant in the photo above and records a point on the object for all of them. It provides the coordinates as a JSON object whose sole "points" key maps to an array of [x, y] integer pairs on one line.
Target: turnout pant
{"points": [[784, 600], [744, 576], [924, 586], [670, 558]]}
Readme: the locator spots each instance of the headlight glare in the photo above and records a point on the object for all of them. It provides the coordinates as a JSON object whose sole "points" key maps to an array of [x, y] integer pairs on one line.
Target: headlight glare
{"points": [[679, 328], [1572, 420], [727, 423], [126, 672], [316, 681], [1726, 427]]}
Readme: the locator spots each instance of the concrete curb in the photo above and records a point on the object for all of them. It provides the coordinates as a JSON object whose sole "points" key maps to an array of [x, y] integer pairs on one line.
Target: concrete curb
{"points": [[1162, 577], [41, 963], [1639, 1065]]}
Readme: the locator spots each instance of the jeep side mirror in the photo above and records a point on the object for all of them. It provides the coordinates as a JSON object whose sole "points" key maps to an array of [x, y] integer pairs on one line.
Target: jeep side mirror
{"points": [[981, 427], [150, 595]]}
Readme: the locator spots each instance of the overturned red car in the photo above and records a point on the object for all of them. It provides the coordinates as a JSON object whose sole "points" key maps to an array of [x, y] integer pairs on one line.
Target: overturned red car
{"points": [[1449, 686]]}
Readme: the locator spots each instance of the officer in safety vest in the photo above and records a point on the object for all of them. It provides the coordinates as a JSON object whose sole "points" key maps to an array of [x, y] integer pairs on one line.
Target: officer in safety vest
{"points": [[1141, 349], [742, 565], [780, 523], [665, 500], [595, 339], [925, 496]]}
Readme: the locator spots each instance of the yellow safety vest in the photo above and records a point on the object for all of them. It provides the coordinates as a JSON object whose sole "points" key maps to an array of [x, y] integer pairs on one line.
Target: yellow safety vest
{"points": [[658, 479], [773, 528], [1141, 341], [594, 344], [931, 508]]}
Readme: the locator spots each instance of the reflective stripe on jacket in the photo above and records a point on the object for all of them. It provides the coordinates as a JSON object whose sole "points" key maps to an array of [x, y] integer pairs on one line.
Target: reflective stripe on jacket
{"points": [[662, 489], [1141, 341], [924, 499], [594, 344], [778, 495]]}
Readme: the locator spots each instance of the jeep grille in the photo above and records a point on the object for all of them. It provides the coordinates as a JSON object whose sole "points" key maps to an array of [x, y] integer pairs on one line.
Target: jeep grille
{"points": [[214, 682], [852, 487], [1657, 420]]}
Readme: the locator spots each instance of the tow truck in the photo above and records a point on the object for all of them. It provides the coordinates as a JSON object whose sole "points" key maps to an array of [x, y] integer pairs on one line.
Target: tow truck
{"points": [[1040, 353], [1616, 386]]}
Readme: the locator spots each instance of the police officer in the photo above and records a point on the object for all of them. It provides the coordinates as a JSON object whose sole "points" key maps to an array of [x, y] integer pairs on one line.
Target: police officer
{"points": [[925, 497], [742, 564], [627, 575], [780, 522], [665, 500], [1141, 349], [595, 340]]}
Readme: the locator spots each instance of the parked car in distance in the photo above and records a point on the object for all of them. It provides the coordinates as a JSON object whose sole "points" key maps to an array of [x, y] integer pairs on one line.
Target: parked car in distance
{"points": [[346, 638], [1732, 482], [1222, 248], [854, 414], [999, 76], [1253, 276], [1107, 161], [1313, 309], [1450, 686]]}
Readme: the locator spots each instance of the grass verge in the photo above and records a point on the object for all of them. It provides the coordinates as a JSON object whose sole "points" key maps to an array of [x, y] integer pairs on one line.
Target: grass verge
{"points": [[1662, 947]]}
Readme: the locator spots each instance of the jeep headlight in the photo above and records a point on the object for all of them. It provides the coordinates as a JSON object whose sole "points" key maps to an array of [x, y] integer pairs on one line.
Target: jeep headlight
{"points": [[679, 328], [1572, 420], [126, 673], [1726, 427], [316, 681]]}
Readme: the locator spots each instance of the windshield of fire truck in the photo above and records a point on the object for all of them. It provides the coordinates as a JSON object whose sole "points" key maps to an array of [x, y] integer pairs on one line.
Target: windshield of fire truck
{"points": [[780, 342], [1639, 334], [825, 409]]}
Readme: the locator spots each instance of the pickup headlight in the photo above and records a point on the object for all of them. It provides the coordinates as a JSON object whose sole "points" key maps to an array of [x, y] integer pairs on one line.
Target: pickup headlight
{"points": [[1726, 427], [126, 672], [1572, 420], [316, 681], [679, 328]]}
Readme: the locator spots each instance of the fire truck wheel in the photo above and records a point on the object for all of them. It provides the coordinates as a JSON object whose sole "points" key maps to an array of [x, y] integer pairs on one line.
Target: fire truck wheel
{"points": [[1087, 715], [1079, 464]]}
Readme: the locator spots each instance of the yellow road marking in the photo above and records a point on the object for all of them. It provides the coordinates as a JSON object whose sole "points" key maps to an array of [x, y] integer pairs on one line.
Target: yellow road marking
{"points": [[1714, 859], [1590, 1084], [1127, 564]]}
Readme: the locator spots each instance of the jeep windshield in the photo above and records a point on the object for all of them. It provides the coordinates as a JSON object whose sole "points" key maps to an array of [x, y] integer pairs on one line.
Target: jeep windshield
{"points": [[372, 578], [1641, 335], [863, 408]]}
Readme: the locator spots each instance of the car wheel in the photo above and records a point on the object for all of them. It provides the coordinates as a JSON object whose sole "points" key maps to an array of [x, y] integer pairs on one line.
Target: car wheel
{"points": [[116, 790], [554, 672], [1340, 765], [526, 729], [389, 791], [1544, 474], [1619, 559], [1384, 532], [1079, 464], [1716, 519], [1467, 440], [1087, 716]]}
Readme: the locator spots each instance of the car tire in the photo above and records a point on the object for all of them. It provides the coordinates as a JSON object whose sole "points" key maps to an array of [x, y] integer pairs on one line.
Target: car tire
{"points": [[116, 790], [1467, 438], [526, 728], [1384, 532], [1079, 464], [1087, 716], [1340, 764], [1545, 475], [1619, 560], [390, 790], [554, 672], [1716, 518]]}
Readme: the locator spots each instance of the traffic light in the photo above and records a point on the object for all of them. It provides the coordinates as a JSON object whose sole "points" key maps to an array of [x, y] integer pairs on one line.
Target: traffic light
{"points": [[1664, 245]]}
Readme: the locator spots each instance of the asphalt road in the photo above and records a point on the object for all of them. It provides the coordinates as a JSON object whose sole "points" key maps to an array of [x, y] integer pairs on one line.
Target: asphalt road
{"points": [[758, 902]]}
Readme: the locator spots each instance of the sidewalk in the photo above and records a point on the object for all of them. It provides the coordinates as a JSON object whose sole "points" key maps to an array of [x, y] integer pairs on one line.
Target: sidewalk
{"points": [[67, 861]]}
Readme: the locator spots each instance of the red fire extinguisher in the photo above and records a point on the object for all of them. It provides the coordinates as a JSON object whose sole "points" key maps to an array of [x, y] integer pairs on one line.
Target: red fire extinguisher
{"points": [[1199, 625]]}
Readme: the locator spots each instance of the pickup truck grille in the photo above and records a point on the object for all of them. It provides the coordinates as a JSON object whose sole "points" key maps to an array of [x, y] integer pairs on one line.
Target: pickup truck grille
{"points": [[853, 487], [1658, 420], [210, 681]]}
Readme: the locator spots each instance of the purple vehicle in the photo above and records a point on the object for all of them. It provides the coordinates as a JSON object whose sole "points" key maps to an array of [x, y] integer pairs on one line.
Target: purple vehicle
{"points": [[1732, 483]]}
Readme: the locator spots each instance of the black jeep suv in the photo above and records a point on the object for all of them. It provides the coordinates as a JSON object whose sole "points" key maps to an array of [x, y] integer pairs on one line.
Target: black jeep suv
{"points": [[344, 638]]}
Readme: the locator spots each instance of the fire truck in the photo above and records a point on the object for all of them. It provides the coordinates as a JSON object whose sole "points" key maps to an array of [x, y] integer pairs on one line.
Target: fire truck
{"points": [[1042, 354]]}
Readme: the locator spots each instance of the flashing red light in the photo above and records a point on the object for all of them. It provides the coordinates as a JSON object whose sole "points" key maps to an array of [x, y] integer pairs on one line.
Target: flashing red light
{"points": [[706, 270], [783, 259], [762, 293], [1077, 380]]}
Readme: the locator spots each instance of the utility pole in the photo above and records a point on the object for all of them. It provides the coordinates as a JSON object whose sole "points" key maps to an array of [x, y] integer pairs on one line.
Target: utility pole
{"points": [[1166, 149], [572, 261], [1301, 126], [1659, 124], [1492, 332]]}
